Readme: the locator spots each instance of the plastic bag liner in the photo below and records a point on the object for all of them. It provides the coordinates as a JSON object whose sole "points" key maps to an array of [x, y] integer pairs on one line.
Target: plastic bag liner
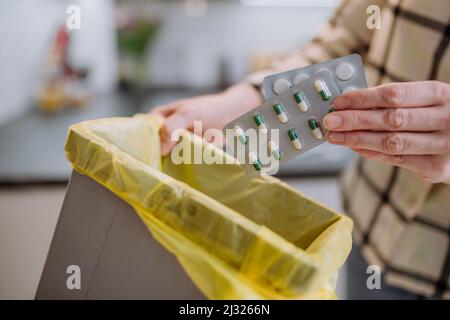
{"points": [[236, 237]]}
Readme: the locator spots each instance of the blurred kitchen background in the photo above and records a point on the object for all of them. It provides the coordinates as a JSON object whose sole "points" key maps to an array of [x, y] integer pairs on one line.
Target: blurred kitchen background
{"points": [[126, 57]]}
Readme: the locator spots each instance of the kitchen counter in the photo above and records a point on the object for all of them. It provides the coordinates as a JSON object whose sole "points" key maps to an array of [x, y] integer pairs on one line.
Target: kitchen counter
{"points": [[32, 146]]}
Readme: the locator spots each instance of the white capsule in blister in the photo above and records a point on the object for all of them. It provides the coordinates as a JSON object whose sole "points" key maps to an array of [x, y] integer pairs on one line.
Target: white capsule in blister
{"points": [[281, 85], [280, 112], [314, 126], [300, 77], [301, 101], [260, 123], [240, 134], [322, 90], [253, 158], [295, 140], [344, 71], [276, 152]]}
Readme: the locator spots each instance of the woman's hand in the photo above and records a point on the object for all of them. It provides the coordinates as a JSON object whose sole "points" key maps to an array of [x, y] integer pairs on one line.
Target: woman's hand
{"points": [[403, 124], [214, 111]]}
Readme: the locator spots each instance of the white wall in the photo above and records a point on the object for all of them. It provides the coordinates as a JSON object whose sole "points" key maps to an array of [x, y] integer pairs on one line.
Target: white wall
{"points": [[187, 50], [27, 29]]}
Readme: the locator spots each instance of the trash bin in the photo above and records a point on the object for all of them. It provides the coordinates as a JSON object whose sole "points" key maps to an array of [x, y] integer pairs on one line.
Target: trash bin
{"points": [[235, 237]]}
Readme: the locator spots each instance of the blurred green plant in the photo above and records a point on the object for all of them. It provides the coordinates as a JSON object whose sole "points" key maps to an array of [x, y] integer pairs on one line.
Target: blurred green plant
{"points": [[134, 41], [137, 37]]}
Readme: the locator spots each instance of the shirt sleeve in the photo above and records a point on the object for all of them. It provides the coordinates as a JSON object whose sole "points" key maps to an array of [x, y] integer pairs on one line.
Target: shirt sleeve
{"points": [[345, 33]]}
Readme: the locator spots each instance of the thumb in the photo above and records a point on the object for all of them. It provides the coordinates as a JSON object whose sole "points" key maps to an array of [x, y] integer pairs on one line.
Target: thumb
{"points": [[164, 110]]}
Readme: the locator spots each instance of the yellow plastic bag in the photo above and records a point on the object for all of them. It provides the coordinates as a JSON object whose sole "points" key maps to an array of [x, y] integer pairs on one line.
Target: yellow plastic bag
{"points": [[236, 237]]}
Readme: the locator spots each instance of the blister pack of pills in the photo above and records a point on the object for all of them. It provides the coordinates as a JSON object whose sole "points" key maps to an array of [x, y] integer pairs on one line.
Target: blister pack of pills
{"points": [[348, 74], [289, 122]]}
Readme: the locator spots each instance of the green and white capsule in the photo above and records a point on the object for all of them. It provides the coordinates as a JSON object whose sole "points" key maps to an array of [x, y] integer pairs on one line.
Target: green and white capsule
{"points": [[240, 134], [276, 152], [315, 128], [301, 102], [260, 123], [280, 112], [293, 136], [322, 90], [331, 109], [254, 160]]}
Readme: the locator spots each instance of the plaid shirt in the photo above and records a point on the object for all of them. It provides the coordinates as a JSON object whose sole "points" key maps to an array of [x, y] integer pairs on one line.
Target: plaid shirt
{"points": [[402, 223]]}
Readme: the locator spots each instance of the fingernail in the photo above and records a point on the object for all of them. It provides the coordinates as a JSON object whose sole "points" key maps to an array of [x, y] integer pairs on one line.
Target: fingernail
{"points": [[333, 121], [336, 137]]}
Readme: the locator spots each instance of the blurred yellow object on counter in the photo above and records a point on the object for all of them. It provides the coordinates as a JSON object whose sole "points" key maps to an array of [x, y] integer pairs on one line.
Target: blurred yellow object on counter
{"points": [[51, 98], [56, 95], [236, 237]]}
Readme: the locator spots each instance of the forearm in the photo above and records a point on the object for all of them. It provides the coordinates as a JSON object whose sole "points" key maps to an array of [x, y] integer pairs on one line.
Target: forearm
{"points": [[241, 98]]}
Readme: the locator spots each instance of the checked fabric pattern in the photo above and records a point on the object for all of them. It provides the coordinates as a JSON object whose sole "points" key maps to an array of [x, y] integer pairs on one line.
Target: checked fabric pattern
{"points": [[402, 223]]}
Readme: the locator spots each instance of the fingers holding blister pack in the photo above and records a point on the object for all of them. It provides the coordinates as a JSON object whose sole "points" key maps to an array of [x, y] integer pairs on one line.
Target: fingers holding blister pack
{"points": [[289, 122]]}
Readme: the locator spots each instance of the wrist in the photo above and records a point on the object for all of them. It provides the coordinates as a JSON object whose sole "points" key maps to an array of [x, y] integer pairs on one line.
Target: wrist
{"points": [[243, 96]]}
